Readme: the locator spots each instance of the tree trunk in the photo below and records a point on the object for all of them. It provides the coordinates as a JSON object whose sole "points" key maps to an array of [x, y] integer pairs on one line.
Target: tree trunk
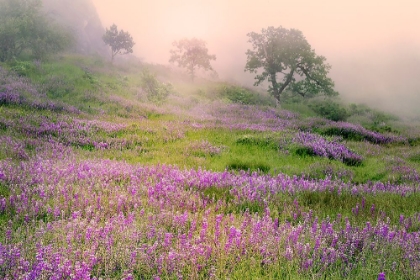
{"points": [[192, 73], [276, 92], [112, 57]]}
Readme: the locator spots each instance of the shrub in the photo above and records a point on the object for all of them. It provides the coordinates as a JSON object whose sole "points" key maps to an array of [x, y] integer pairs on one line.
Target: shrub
{"points": [[375, 120], [257, 141], [157, 92], [247, 166], [241, 95], [23, 68], [330, 110]]}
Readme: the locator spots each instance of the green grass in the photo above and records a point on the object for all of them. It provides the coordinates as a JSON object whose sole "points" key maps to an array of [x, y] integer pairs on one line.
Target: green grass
{"points": [[329, 204], [415, 158]]}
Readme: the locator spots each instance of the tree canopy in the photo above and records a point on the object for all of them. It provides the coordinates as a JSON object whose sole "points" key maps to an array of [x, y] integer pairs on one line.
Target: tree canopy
{"points": [[120, 42], [286, 53], [191, 54], [23, 27]]}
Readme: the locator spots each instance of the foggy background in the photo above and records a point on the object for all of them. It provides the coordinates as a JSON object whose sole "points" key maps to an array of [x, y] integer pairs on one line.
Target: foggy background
{"points": [[373, 46]]}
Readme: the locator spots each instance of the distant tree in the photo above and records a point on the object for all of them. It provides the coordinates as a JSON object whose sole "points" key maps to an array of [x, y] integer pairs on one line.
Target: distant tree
{"points": [[23, 27], [191, 54], [287, 53], [120, 42]]}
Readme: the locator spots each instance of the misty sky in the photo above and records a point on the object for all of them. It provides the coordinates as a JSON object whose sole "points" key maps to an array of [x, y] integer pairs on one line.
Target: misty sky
{"points": [[373, 46]]}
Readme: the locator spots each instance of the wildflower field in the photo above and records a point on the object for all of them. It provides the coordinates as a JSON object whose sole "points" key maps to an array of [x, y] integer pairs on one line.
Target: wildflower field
{"points": [[97, 182]]}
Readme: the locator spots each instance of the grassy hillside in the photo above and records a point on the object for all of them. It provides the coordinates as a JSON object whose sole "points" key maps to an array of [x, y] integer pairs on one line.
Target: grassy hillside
{"points": [[131, 170]]}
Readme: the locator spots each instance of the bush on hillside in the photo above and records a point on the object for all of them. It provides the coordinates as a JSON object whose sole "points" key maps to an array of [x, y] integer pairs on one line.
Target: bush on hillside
{"points": [[157, 92], [330, 110], [239, 165], [373, 119], [25, 68], [241, 95]]}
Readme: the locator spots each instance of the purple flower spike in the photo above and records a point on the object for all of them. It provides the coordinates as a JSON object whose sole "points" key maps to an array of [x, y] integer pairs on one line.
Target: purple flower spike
{"points": [[381, 276]]}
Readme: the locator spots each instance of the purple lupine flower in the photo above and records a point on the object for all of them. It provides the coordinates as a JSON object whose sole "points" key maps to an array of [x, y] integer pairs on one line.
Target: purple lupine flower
{"points": [[321, 147], [381, 276]]}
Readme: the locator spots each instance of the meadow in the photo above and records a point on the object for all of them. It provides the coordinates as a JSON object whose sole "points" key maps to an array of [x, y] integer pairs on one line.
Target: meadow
{"points": [[130, 171]]}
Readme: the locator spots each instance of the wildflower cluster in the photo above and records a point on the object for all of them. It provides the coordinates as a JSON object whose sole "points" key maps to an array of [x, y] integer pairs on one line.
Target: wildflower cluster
{"points": [[357, 132], [66, 130], [349, 131], [101, 218], [317, 145], [15, 90]]}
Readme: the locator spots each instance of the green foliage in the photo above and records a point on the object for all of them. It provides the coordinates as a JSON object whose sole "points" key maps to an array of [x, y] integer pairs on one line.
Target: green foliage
{"points": [[415, 158], [372, 119], [4, 190], [241, 95], [414, 141], [258, 141], [23, 68], [381, 117], [191, 54], [302, 151], [359, 109], [248, 166], [345, 133], [23, 27], [328, 203], [352, 162], [90, 77], [120, 42], [329, 110], [380, 121], [286, 52], [157, 92]]}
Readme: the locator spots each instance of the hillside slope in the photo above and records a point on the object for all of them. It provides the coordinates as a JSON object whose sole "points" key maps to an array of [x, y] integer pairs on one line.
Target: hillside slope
{"points": [[130, 171]]}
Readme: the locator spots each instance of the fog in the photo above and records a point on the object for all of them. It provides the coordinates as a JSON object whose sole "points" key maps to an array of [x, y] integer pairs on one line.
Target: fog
{"points": [[373, 46]]}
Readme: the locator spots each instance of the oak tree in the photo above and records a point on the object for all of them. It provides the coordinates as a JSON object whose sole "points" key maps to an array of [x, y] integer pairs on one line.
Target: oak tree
{"points": [[288, 62], [120, 42], [191, 54]]}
